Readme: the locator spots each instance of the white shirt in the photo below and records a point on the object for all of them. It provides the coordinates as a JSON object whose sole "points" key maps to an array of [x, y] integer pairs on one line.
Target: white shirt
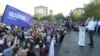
{"points": [[91, 25], [1, 54], [99, 23]]}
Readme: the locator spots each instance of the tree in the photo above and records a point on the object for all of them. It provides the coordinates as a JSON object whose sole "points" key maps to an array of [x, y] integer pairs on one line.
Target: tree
{"points": [[59, 16], [96, 1], [92, 9], [51, 16], [46, 17], [38, 16], [77, 14]]}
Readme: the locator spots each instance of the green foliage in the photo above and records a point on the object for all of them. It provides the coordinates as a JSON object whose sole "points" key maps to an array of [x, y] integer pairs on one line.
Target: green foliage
{"points": [[59, 16], [92, 9], [51, 17], [77, 14], [38, 16], [46, 17]]}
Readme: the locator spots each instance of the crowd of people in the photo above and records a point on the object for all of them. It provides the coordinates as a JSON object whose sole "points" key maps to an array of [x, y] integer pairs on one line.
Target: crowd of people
{"points": [[30, 42]]}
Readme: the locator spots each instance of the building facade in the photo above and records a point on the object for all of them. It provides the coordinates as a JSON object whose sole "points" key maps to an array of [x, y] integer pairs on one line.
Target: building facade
{"points": [[41, 10], [79, 10]]}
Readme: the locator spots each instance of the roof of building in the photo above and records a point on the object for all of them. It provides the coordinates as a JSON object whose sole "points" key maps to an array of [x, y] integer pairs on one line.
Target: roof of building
{"points": [[79, 9], [41, 7]]}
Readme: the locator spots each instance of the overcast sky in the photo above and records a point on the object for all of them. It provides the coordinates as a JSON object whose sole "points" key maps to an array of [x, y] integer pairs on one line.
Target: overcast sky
{"points": [[58, 6]]}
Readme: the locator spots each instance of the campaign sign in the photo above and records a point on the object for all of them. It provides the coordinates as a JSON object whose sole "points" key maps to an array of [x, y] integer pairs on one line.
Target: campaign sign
{"points": [[13, 16]]}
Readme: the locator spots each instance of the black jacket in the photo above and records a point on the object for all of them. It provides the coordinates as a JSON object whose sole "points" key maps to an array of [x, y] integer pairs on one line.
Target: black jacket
{"points": [[29, 53]]}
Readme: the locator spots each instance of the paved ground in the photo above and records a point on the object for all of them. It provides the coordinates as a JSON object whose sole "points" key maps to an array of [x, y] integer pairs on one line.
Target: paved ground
{"points": [[70, 46]]}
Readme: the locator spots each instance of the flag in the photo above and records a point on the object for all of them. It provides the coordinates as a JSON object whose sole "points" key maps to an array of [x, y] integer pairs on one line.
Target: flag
{"points": [[13, 16]]}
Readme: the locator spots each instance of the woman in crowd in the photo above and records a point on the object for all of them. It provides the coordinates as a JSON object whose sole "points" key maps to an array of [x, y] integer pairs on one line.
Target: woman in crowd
{"points": [[31, 51], [9, 50], [37, 42]]}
